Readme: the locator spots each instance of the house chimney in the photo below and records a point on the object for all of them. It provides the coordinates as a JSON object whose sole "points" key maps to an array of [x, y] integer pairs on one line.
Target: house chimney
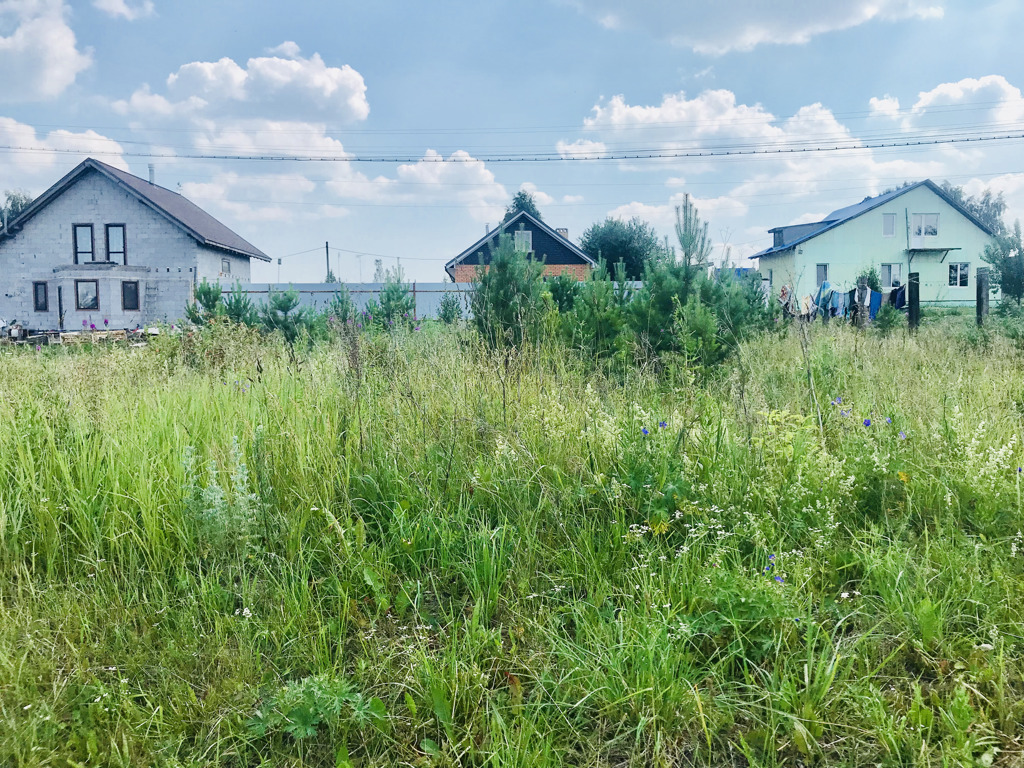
{"points": [[152, 173], [487, 228], [563, 232]]}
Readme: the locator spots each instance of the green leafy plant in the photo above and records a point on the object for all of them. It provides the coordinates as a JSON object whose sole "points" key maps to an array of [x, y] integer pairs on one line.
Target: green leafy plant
{"points": [[300, 708], [207, 305], [506, 301], [451, 308]]}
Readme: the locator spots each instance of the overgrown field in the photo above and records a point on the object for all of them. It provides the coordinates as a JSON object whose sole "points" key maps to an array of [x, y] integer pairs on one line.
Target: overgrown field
{"points": [[405, 550]]}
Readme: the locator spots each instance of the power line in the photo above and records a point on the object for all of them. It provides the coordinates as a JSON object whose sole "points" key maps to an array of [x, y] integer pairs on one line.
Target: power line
{"points": [[750, 150]]}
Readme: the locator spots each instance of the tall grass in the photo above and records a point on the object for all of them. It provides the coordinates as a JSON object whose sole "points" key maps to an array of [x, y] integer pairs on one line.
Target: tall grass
{"points": [[402, 549]]}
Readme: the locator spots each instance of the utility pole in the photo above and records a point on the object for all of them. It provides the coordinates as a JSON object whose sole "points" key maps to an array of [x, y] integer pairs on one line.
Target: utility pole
{"points": [[327, 255]]}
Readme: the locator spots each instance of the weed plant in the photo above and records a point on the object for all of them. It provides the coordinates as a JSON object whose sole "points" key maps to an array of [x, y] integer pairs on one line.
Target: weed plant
{"points": [[407, 549]]}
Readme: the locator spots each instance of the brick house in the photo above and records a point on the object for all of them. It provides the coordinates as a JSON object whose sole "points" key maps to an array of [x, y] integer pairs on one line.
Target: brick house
{"points": [[531, 236], [103, 247]]}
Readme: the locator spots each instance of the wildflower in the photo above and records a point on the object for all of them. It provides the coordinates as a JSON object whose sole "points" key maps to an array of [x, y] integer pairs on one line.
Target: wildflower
{"points": [[771, 557], [844, 414], [837, 401], [663, 424], [85, 323], [780, 580], [844, 595], [867, 422], [902, 435], [92, 326], [416, 328], [903, 477], [38, 348], [106, 321], [644, 430]]}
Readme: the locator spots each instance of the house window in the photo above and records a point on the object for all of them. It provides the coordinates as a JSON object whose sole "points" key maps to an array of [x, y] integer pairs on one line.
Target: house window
{"points": [[82, 236], [892, 275], [771, 281], [888, 225], [822, 273], [87, 294], [225, 266], [130, 295], [116, 244], [958, 274], [524, 240], [925, 225], [40, 298]]}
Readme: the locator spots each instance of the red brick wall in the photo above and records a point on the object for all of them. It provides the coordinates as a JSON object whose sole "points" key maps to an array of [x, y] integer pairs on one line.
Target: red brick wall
{"points": [[466, 273]]}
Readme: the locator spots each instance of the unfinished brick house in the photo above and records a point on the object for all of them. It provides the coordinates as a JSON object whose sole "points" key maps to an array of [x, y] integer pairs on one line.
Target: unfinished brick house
{"points": [[105, 248], [531, 236]]}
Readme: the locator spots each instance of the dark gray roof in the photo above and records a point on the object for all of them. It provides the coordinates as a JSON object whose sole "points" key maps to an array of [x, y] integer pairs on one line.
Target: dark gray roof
{"points": [[509, 226], [177, 209], [843, 215]]}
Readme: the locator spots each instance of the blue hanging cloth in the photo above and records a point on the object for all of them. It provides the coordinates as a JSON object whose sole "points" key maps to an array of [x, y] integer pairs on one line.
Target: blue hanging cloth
{"points": [[875, 305]]}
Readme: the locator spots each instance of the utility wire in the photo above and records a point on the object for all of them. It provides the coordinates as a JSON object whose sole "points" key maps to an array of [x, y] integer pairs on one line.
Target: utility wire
{"points": [[540, 158]]}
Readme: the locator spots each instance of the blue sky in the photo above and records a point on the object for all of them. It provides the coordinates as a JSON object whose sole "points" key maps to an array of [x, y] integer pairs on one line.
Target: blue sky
{"points": [[122, 80]]}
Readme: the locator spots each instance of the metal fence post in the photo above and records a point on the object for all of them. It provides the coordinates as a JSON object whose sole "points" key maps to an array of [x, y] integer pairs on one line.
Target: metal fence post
{"points": [[982, 294], [914, 300]]}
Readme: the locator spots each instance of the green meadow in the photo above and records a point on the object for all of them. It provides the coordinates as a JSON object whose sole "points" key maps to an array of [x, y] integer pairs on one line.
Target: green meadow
{"points": [[406, 549]]}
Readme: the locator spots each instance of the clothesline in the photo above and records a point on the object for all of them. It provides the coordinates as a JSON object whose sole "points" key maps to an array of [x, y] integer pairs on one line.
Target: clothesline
{"points": [[834, 303]]}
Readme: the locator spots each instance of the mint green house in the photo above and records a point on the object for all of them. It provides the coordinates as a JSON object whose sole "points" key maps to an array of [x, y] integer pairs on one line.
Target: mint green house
{"points": [[914, 229]]}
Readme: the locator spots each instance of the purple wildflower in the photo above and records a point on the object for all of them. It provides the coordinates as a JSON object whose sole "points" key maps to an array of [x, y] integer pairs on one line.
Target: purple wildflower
{"points": [[644, 430], [888, 420], [662, 424], [867, 422], [902, 435], [780, 580]]}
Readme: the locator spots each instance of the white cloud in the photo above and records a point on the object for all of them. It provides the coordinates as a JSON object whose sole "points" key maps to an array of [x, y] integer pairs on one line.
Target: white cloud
{"points": [[49, 157], [124, 9], [716, 28], [39, 56], [887, 106], [302, 86], [274, 198], [539, 197], [581, 148], [289, 49]]}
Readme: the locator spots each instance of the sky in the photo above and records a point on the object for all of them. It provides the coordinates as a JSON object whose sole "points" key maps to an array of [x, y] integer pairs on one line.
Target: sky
{"points": [[399, 130]]}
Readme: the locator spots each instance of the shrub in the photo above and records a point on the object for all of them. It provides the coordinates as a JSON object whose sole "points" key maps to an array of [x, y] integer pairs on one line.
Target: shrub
{"points": [[564, 289], [238, 308], [597, 321], [888, 320], [207, 305], [283, 313], [873, 278], [451, 308], [395, 305]]}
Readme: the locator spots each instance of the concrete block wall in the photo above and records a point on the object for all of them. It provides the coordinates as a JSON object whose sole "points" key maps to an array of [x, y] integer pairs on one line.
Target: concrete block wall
{"points": [[160, 256]]}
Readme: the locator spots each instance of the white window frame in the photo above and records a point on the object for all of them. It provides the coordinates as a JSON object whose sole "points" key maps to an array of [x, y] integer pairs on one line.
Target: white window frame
{"points": [[523, 240], [821, 268], [963, 272], [888, 225], [919, 224], [225, 262], [896, 267]]}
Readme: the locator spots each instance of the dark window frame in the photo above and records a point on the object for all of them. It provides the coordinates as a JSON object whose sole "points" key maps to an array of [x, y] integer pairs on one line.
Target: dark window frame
{"points": [[35, 296], [92, 241], [822, 268], [124, 242], [963, 274], [138, 297], [78, 303]]}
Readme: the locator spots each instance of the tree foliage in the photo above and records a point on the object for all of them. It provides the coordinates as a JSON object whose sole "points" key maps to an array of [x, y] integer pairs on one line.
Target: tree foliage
{"points": [[522, 201], [632, 243], [692, 232], [395, 305], [1006, 255], [15, 201], [207, 306], [988, 208], [506, 302]]}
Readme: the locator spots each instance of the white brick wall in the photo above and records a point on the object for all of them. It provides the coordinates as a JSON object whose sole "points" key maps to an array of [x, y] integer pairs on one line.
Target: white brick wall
{"points": [[161, 257]]}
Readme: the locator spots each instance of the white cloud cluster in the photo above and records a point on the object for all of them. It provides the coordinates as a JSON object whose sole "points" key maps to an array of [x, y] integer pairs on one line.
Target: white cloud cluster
{"points": [[125, 10], [37, 168], [39, 55], [716, 28]]}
